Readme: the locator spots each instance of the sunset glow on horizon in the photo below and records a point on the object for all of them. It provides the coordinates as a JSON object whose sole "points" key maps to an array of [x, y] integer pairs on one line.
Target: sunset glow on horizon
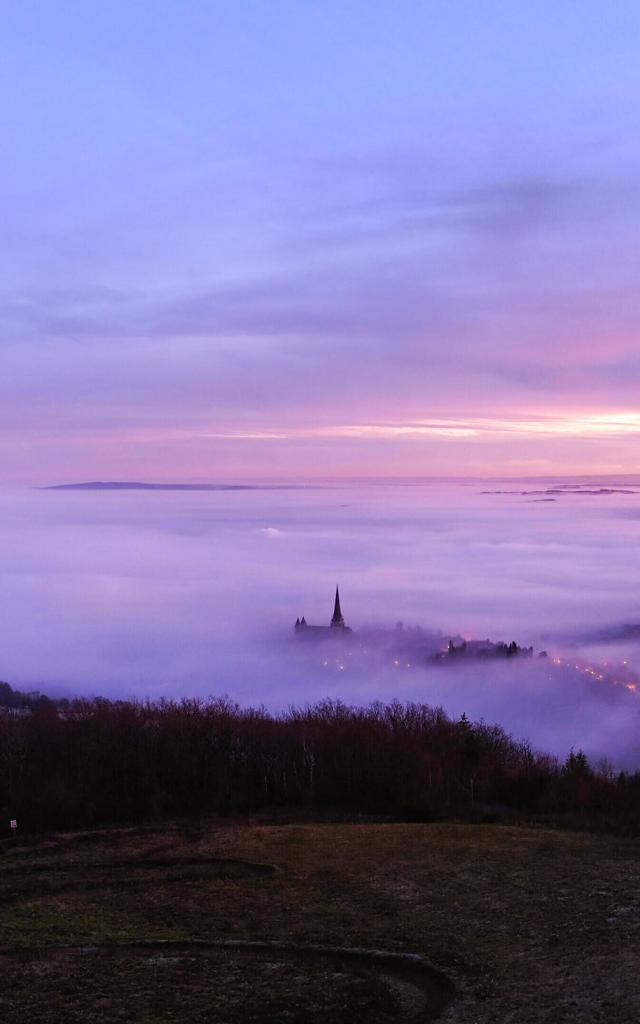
{"points": [[510, 446]]}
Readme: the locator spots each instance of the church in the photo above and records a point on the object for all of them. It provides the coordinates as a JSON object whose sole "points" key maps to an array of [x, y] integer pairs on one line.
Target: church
{"points": [[335, 628]]}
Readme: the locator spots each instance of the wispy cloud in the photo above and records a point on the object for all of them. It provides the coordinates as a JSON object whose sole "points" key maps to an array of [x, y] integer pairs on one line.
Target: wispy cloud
{"points": [[578, 426]]}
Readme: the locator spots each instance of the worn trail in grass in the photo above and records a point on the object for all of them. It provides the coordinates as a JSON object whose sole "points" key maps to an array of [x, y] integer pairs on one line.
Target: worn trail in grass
{"points": [[533, 926]]}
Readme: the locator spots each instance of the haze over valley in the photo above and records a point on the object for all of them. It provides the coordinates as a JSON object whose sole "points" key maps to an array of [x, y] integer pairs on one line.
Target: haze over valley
{"points": [[153, 594]]}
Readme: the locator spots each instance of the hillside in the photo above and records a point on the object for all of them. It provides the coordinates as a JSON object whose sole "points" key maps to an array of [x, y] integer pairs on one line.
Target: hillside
{"points": [[529, 925]]}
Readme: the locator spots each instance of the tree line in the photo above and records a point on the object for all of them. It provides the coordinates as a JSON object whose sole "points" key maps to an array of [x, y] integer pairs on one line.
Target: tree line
{"points": [[84, 763]]}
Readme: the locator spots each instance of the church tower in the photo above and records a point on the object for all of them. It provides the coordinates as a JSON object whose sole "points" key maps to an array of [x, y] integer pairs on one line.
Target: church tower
{"points": [[336, 627], [337, 619]]}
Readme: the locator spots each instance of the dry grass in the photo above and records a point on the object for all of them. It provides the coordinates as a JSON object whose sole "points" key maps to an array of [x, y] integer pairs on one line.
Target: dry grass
{"points": [[533, 926], [187, 988]]}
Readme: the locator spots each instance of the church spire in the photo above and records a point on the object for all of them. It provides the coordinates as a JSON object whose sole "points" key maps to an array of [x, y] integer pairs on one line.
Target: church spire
{"points": [[337, 619]]}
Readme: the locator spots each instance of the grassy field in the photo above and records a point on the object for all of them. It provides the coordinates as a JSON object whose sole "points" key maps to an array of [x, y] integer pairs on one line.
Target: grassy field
{"points": [[530, 925]]}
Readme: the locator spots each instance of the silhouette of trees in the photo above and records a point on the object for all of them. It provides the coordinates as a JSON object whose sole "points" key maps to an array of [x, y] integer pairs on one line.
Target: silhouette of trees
{"points": [[91, 762]]}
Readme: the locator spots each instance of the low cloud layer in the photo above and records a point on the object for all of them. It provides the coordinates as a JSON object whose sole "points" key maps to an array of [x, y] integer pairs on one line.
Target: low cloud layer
{"points": [[170, 594]]}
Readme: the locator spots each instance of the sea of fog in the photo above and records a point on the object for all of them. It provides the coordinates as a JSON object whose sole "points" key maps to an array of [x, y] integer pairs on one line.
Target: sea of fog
{"points": [[168, 593]]}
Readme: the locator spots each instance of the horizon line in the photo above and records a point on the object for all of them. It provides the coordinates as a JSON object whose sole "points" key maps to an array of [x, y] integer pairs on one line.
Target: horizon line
{"points": [[305, 482]]}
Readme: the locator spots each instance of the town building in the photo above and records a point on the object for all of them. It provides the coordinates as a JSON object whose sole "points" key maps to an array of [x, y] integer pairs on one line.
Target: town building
{"points": [[336, 627]]}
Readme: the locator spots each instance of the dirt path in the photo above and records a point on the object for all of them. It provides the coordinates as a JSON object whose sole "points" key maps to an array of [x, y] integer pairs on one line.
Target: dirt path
{"points": [[423, 990], [52, 842], [84, 875]]}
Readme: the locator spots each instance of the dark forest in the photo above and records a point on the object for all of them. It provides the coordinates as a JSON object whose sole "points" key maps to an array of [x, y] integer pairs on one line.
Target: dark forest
{"points": [[84, 763]]}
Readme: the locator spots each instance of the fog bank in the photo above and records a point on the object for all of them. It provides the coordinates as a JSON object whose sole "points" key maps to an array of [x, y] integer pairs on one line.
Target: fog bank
{"points": [[170, 593]]}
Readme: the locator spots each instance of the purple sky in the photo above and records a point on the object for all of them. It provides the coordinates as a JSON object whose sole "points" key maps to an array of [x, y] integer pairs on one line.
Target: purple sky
{"points": [[258, 239]]}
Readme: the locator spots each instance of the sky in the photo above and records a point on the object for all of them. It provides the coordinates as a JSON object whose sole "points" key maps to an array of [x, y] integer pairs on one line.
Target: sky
{"points": [[254, 239]]}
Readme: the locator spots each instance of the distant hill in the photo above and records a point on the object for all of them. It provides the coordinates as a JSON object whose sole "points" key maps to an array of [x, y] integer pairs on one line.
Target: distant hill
{"points": [[126, 485], [10, 698]]}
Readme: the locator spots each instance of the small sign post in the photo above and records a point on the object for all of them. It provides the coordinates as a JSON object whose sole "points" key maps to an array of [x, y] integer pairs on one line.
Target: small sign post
{"points": [[13, 825]]}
